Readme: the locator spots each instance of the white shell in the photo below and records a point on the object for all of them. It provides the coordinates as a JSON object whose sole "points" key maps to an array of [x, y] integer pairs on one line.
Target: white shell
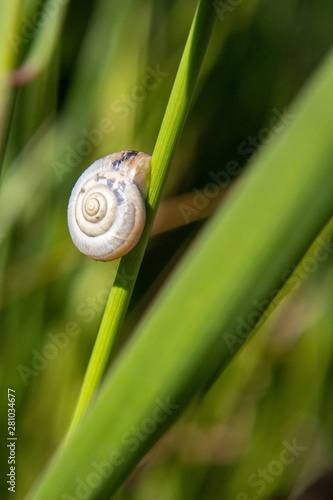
{"points": [[106, 211]]}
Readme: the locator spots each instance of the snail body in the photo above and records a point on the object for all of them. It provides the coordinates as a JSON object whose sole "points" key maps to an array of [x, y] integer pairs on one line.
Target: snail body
{"points": [[106, 210]]}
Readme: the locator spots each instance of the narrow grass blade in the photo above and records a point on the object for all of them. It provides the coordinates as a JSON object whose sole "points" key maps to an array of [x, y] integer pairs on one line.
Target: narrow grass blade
{"points": [[171, 128]]}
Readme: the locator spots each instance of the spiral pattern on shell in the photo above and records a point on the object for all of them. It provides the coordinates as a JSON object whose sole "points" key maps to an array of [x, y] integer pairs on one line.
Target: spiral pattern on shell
{"points": [[106, 209]]}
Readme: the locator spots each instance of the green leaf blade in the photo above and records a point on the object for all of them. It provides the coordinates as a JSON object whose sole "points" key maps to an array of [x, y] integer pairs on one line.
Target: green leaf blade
{"points": [[286, 197]]}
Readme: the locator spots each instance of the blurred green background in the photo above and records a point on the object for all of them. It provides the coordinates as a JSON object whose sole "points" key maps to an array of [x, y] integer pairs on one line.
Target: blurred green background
{"points": [[80, 80]]}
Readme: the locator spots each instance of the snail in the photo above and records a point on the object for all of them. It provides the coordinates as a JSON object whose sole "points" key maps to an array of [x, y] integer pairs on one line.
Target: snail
{"points": [[106, 210]]}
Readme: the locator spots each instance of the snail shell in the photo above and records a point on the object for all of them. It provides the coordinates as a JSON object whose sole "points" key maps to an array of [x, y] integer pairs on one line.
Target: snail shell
{"points": [[106, 210]]}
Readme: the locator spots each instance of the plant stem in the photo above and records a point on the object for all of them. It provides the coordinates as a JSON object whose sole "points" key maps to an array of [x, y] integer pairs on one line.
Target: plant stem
{"points": [[173, 121]]}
